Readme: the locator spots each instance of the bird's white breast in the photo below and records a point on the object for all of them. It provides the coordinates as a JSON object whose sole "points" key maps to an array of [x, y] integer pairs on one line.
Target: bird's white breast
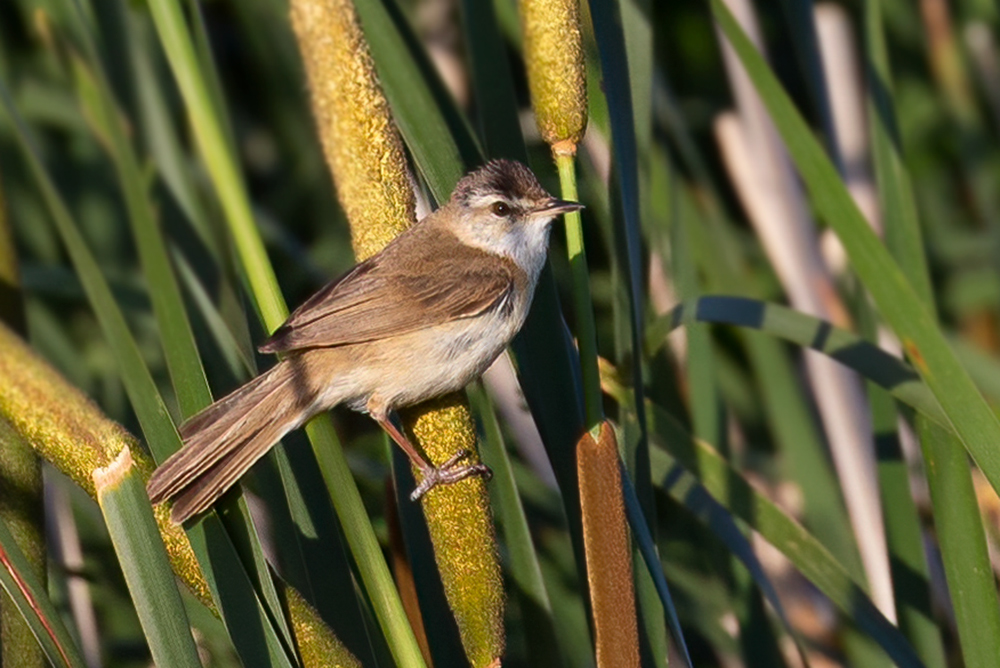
{"points": [[427, 363]]}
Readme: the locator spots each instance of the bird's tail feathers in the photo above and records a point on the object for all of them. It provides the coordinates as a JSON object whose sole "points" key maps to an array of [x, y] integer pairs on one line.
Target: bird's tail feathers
{"points": [[224, 440]]}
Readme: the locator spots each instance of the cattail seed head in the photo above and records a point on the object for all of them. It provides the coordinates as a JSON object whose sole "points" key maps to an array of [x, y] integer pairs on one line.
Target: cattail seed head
{"points": [[557, 77], [361, 144], [366, 157]]}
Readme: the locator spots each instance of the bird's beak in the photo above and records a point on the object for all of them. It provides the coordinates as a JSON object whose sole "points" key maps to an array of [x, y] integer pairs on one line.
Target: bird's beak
{"points": [[554, 207]]}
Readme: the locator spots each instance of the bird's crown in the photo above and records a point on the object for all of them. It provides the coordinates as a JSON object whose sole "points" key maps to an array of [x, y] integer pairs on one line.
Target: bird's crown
{"points": [[507, 179]]}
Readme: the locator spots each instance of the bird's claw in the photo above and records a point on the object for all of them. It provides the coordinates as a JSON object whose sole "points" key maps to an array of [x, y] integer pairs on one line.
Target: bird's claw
{"points": [[448, 473]]}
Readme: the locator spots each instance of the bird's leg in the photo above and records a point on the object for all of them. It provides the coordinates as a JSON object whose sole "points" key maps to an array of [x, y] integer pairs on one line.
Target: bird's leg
{"points": [[431, 476]]}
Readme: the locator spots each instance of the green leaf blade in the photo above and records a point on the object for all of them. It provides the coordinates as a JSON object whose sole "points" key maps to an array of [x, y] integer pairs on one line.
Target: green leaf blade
{"points": [[967, 411]]}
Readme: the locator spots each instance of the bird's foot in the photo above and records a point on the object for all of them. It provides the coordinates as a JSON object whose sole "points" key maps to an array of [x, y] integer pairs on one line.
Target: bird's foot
{"points": [[449, 472]]}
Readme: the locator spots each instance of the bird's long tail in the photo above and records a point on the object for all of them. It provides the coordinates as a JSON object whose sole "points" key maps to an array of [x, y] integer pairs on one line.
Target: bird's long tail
{"points": [[223, 441]]}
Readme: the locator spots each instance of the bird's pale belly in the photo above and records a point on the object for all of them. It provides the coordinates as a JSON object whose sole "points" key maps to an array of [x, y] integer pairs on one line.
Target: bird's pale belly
{"points": [[422, 366]]}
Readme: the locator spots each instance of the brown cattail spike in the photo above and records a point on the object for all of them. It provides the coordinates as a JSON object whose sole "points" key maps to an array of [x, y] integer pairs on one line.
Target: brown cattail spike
{"points": [[608, 550]]}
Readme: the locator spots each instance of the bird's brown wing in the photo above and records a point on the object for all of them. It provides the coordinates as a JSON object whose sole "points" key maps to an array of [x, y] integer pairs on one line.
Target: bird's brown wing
{"points": [[396, 292]]}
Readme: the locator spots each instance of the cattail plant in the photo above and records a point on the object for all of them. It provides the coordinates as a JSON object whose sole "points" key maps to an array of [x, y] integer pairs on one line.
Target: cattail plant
{"points": [[609, 552], [365, 156], [557, 78]]}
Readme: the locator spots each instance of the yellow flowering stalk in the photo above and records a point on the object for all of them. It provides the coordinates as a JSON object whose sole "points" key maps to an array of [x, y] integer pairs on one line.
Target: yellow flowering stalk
{"points": [[607, 548], [365, 155], [557, 75], [68, 430], [318, 647], [461, 528], [360, 142]]}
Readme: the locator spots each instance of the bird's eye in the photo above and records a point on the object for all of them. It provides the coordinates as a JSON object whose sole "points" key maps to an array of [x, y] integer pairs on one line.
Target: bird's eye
{"points": [[500, 208]]}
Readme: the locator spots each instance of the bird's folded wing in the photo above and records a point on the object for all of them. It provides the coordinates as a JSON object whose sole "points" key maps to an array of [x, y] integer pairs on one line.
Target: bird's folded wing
{"points": [[396, 292]]}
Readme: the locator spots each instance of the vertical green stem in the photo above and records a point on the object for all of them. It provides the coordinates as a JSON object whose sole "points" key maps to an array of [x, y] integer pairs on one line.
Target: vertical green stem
{"points": [[582, 304], [214, 147]]}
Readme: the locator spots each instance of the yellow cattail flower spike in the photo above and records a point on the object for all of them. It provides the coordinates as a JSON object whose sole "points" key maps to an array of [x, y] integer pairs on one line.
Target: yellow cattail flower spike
{"points": [[557, 76], [362, 147], [366, 158]]}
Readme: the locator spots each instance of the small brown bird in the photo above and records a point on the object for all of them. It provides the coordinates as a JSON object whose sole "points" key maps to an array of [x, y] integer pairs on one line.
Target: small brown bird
{"points": [[422, 318]]}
